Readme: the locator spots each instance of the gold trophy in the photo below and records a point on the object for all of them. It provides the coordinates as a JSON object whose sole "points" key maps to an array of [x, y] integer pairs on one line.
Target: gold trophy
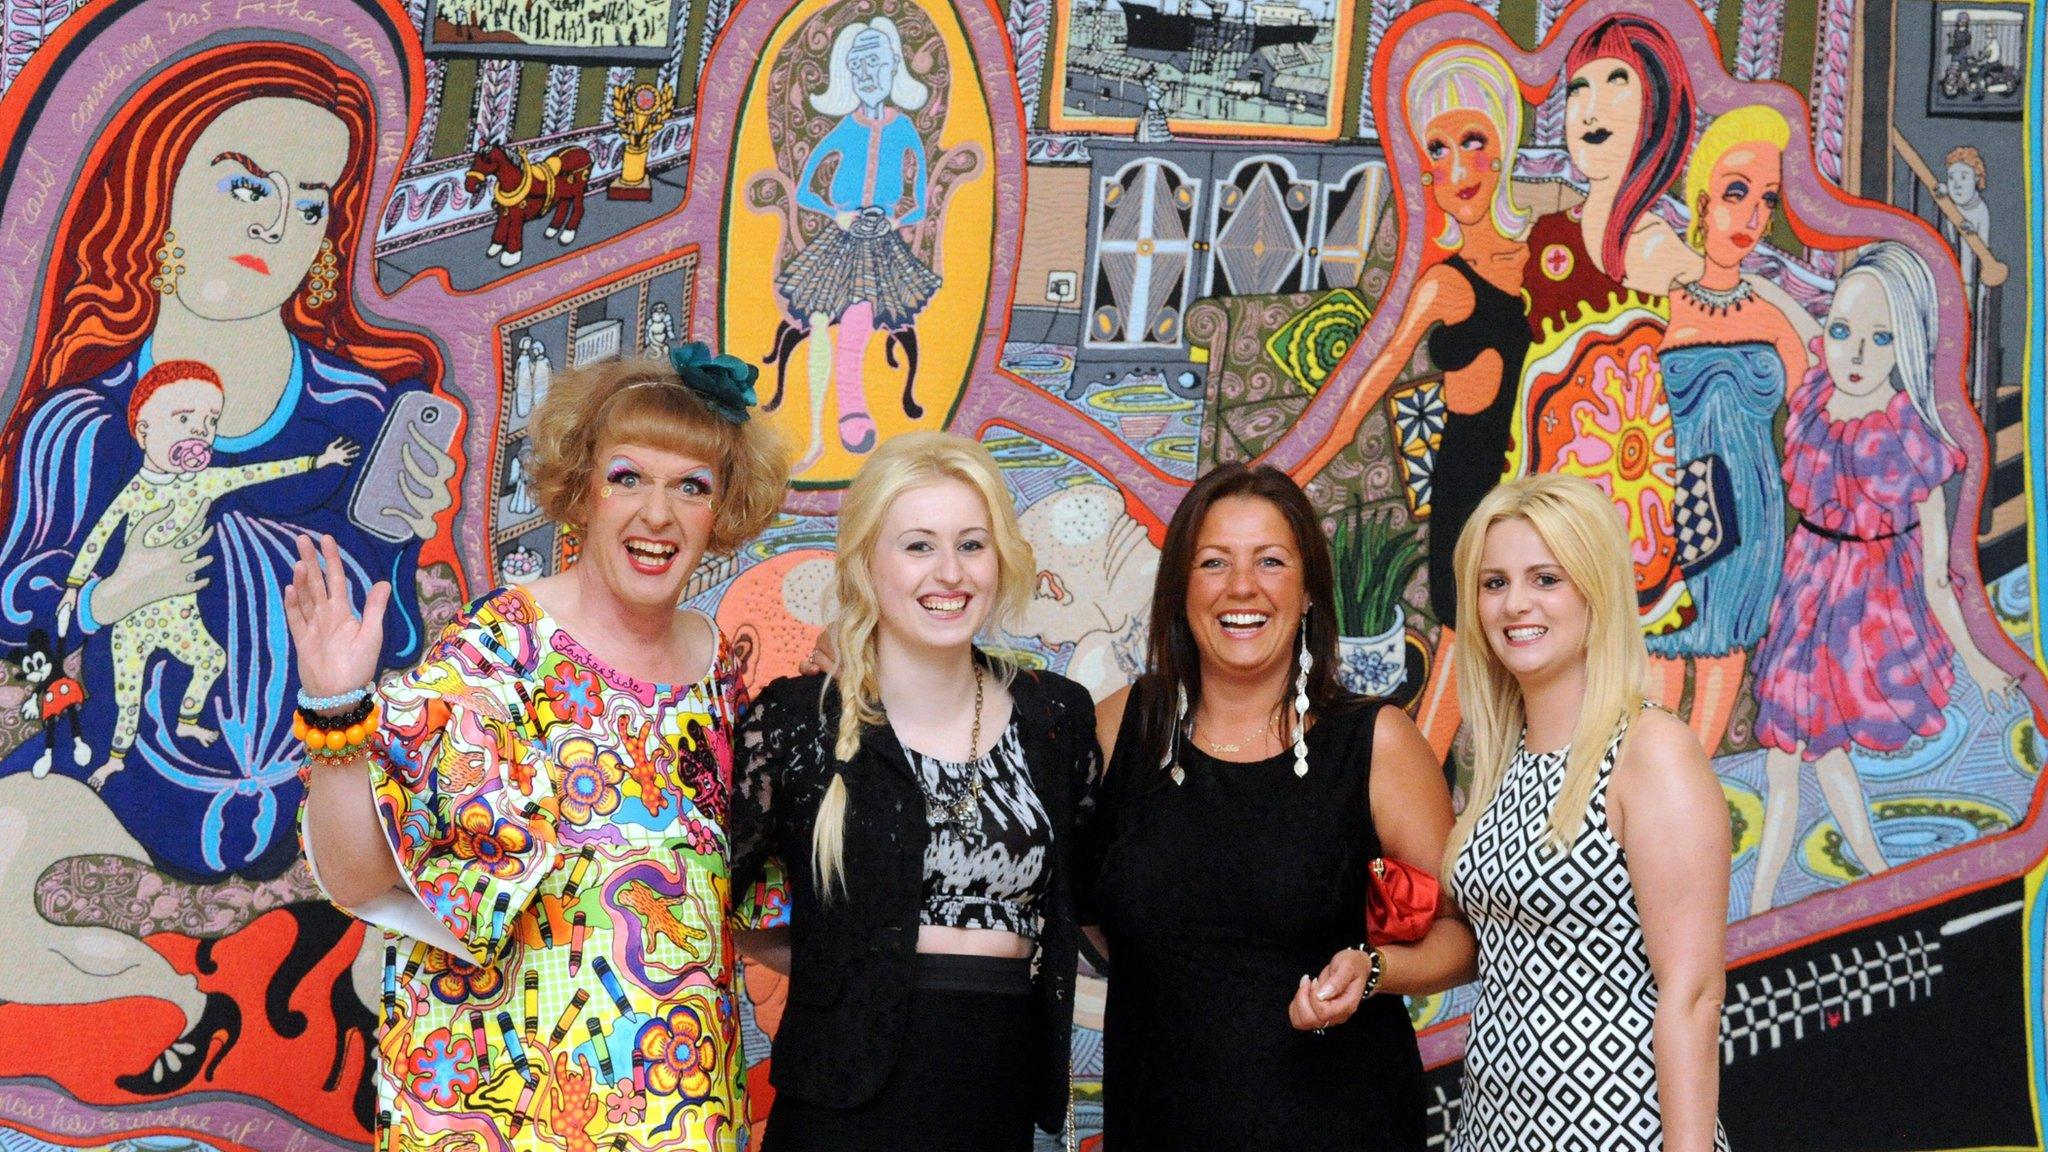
{"points": [[638, 112]]}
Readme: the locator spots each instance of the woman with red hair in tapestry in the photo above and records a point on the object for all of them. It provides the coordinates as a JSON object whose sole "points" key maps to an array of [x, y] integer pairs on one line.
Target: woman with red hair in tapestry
{"points": [[219, 219]]}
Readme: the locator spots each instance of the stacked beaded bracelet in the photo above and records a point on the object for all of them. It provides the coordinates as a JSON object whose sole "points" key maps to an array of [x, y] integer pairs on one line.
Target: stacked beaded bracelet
{"points": [[1378, 966], [335, 736], [340, 700]]}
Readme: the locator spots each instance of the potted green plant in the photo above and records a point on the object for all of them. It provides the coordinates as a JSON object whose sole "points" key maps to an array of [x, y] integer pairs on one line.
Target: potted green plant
{"points": [[1375, 559]]}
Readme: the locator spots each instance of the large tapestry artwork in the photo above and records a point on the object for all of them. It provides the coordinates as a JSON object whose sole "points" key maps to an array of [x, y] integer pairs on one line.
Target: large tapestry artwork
{"points": [[310, 266]]}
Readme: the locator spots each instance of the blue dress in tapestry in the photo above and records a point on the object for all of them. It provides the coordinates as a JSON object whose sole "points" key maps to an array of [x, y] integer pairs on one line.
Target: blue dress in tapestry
{"points": [[203, 811], [1724, 401]]}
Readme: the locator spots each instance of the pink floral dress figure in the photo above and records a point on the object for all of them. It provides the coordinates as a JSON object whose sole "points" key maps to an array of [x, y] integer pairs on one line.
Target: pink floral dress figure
{"points": [[559, 974], [1867, 627], [1853, 655]]}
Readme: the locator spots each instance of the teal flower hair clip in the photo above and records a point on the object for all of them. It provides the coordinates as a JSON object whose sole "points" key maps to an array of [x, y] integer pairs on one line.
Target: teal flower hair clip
{"points": [[724, 382]]}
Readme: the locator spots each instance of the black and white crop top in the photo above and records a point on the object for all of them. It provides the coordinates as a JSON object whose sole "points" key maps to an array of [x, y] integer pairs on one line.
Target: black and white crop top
{"points": [[984, 865]]}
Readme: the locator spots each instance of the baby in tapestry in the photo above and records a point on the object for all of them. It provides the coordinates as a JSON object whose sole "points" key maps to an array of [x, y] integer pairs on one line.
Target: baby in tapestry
{"points": [[173, 416]]}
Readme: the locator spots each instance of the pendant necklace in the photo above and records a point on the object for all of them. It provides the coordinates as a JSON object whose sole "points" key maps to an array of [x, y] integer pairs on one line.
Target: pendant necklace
{"points": [[967, 803], [1224, 746]]}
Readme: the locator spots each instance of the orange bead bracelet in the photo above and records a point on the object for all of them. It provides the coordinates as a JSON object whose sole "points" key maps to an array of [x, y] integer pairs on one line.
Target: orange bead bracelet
{"points": [[336, 742]]}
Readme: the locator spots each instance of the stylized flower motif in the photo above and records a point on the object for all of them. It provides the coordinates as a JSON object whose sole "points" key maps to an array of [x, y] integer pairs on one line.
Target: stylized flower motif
{"points": [[1419, 416], [680, 1053], [453, 980], [514, 607], [498, 845], [1623, 441], [450, 902], [1419, 419], [1603, 414], [703, 839], [1369, 669], [726, 383], [590, 780], [442, 1069], [625, 1104], [1310, 345], [575, 692]]}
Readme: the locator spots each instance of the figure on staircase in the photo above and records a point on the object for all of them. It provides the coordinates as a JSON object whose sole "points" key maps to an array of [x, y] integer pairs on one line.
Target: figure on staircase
{"points": [[1965, 189]]}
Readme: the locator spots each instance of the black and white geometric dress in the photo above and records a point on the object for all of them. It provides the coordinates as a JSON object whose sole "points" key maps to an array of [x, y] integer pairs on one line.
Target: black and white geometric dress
{"points": [[1559, 1056]]}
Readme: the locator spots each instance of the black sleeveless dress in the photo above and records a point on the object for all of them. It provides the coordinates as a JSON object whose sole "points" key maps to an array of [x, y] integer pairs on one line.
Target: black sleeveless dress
{"points": [[1216, 897], [1474, 445]]}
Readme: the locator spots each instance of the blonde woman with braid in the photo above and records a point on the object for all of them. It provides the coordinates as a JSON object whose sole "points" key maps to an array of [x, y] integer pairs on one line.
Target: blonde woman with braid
{"points": [[922, 799], [1592, 856]]}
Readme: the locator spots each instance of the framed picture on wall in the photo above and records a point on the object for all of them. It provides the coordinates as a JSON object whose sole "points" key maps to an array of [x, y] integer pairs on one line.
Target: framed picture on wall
{"points": [[1263, 69], [1978, 69], [598, 32]]}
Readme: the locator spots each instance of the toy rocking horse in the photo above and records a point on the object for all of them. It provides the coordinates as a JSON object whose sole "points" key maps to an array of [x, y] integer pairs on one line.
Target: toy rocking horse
{"points": [[527, 191]]}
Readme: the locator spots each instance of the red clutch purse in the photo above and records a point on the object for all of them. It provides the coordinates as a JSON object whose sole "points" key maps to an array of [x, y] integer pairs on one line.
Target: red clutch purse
{"points": [[1400, 902]]}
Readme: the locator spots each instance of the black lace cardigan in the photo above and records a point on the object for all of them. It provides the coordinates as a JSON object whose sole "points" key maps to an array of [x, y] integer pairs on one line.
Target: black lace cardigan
{"points": [[853, 960]]}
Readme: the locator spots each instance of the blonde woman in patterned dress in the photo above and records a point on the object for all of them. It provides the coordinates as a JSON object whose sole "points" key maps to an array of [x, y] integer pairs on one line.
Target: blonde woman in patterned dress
{"points": [[536, 813], [1592, 855]]}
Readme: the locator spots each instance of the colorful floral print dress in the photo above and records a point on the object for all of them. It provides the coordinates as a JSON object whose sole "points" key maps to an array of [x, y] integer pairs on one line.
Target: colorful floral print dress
{"points": [[1854, 655], [558, 973], [1593, 404]]}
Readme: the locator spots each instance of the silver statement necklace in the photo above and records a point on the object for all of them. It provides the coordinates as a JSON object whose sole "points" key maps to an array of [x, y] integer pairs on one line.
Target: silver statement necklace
{"points": [[1719, 300]]}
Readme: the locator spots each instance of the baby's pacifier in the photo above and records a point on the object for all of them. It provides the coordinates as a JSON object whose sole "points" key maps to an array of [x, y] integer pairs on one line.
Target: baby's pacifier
{"points": [[191, 455]]}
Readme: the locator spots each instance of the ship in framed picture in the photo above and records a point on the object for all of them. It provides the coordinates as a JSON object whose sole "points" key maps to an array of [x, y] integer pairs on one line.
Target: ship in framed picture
{"points": [[1979, 64], [1263, 68], [608, 32]]}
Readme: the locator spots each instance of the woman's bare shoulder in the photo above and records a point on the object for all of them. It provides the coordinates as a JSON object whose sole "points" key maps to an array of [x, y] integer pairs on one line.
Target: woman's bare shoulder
{"points": [[1661, 756]]}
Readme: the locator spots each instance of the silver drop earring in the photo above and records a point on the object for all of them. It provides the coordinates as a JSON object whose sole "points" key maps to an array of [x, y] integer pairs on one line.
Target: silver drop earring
{"points": [[1301, 705], [1180, 719]]}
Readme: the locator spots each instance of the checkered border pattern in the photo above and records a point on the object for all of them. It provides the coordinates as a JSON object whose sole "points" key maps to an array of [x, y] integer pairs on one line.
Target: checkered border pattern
{"points": [[1782, 1007]]}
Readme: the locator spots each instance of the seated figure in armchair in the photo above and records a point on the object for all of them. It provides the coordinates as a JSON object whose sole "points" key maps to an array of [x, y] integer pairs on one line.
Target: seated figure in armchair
{"points": [[861, 221]]}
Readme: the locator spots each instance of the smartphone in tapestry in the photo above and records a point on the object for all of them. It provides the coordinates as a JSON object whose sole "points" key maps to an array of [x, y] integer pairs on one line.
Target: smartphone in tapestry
{"points": [[379, 488]]}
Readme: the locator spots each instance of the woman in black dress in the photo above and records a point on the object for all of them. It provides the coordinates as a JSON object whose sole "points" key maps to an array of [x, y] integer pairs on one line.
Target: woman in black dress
{"points": [[1246, 797], [1465, 108]]}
